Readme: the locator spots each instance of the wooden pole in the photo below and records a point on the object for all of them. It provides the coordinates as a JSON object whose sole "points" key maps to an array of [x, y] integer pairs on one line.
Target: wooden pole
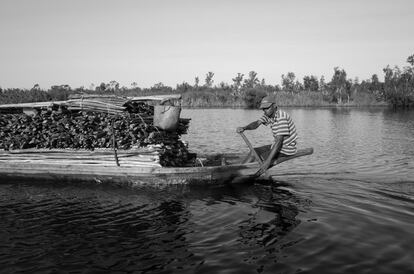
{"points": [[258, 159], [114, 143]]}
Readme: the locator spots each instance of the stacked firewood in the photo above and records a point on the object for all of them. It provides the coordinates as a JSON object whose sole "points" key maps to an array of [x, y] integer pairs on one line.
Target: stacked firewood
{"points": [[90, 130]]}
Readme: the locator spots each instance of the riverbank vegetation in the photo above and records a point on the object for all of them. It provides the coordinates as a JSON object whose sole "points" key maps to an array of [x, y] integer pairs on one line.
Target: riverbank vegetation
{"points": [[246, 91]]}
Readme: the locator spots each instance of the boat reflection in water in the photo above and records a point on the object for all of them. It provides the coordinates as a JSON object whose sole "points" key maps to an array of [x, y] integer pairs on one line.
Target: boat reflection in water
{"points": [[105, 228]]}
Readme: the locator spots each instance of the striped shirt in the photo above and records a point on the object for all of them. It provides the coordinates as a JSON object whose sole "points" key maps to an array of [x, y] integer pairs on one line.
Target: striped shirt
{"points": [[282, 125]]}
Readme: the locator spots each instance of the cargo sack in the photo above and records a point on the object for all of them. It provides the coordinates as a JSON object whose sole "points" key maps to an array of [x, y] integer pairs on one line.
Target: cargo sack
{"points": [[166, 117]]}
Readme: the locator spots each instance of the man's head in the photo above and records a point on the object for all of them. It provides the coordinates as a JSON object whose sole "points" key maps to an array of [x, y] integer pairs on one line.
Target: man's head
{"points": [[268, 105]]}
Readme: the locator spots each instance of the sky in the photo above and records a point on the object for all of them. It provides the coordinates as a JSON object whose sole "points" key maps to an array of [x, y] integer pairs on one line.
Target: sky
{"points": [[84, 42]]}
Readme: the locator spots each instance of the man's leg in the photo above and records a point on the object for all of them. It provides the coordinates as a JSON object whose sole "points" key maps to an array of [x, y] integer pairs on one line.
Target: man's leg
{"points": [[263, 151]]}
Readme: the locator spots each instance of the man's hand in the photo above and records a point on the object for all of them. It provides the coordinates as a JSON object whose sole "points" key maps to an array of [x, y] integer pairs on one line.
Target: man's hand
{"points": [[251, 126]]}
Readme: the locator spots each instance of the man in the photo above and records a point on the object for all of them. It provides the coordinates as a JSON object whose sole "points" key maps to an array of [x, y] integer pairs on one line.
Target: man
{"points": [[283, 129]]}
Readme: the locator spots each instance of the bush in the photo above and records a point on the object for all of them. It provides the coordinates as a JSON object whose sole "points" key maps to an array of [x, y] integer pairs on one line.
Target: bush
{"points": [[364, 99], [252, 97], [305, 98]]}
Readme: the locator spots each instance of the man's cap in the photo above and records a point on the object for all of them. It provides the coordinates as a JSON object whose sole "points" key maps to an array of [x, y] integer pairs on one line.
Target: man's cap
{"points": [[267, 101]]}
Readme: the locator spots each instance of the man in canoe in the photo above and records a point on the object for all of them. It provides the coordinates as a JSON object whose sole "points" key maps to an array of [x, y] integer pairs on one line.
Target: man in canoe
{"points": [[283, 130]]}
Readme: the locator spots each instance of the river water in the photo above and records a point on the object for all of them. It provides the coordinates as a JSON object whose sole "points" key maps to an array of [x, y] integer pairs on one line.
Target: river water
{"points": [[348, 208]]}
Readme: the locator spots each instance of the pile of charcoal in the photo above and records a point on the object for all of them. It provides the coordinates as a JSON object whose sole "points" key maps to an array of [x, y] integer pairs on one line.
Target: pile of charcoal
{"points": [[64, 129]]}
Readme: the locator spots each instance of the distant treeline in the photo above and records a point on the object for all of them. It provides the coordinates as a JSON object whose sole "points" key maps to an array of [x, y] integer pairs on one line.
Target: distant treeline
{"points": [[397, 90]]}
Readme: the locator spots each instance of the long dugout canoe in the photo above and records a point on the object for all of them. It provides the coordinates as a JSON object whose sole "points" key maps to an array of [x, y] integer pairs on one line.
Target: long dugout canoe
{"points": [[106, 171]]}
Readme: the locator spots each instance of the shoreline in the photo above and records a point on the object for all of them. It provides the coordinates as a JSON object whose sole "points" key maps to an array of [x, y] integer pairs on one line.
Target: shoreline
{"points": [[215, 99], [384, 105]]}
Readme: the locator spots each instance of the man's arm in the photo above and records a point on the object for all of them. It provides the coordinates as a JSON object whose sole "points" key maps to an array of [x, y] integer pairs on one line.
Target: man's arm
{"points": [[251, 126], [275, 149]]}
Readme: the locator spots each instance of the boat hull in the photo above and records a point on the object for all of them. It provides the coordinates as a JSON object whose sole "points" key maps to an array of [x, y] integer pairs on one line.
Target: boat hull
{"points": [[48, 169], [128, 176]]}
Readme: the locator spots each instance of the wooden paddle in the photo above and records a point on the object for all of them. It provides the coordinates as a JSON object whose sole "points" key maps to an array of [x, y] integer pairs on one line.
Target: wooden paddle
{"points": [[258, 159]]}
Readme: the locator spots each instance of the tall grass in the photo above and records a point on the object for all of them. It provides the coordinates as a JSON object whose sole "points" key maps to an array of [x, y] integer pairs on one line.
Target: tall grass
{"points": [[317, 99], [210, 98], [305, 99]]}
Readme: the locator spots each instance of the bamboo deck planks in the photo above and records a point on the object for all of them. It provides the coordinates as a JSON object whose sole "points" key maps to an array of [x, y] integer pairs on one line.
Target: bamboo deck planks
{"points": [[143, 157]]}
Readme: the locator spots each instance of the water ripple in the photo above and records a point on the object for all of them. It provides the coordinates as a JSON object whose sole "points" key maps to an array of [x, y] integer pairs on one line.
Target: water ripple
{"points": [[348, 208]]}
